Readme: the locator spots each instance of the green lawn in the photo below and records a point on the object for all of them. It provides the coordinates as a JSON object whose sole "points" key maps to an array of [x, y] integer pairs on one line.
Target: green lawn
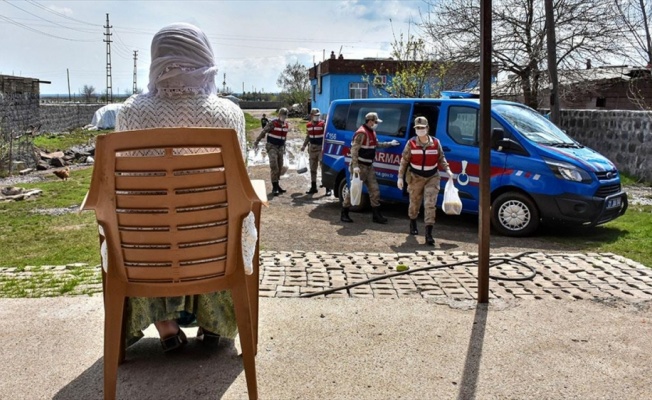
{"points": [[54, 142]]}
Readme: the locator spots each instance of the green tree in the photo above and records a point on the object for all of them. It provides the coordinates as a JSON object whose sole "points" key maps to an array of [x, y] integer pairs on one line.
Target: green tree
{"points": [[409, 73], [88, 91], [294, 84]]}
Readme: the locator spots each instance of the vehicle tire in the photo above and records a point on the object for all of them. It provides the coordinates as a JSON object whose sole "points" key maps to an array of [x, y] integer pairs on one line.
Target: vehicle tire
{"points": [[342, 188], [514, 214]]}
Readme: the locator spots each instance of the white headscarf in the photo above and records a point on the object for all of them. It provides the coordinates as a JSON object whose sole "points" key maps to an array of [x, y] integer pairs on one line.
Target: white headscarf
{"points": [[182, 62]]}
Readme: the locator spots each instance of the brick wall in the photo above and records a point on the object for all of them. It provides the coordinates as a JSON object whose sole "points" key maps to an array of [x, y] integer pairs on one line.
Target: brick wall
{"points": [[66, 117], [625, 137]]}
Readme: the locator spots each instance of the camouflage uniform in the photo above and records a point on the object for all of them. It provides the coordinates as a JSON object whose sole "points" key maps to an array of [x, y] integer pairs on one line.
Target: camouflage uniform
{"points": [[367, 173], [422, 188], [275, 149]]}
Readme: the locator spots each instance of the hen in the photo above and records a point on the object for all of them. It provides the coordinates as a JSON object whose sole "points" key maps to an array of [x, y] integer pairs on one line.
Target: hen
{"points": [[63, 173]]}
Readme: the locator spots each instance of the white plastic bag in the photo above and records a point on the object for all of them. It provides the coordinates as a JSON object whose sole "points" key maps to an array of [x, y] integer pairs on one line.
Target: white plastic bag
{"points": [[452, 204], [302, 164], [356, 189]]}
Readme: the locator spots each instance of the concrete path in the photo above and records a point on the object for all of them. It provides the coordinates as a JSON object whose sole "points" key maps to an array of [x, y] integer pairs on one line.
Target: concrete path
{"points": [[580, 329], [347, 349]]}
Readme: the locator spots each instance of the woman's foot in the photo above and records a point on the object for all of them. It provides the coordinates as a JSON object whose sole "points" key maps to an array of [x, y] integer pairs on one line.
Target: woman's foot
{"points": [[208, 337], [172, 337]]}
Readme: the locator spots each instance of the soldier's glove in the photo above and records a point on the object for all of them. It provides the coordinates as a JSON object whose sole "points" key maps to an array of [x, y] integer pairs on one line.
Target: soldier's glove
{"points": [[394, 142], [303, 148], [399, 184], [451, 174], [356, 170]]}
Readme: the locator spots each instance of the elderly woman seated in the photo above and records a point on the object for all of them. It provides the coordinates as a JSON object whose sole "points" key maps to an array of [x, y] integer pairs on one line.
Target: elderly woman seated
{"points": [[181, 93]]}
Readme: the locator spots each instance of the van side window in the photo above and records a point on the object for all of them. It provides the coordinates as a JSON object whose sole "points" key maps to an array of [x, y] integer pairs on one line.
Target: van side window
{"points": [[339, 116], [394, 117], [464, 123]]}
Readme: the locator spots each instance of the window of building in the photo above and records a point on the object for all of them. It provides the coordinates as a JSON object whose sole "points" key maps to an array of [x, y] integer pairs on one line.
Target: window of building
{"points": [[358, 90], [380, 80]]}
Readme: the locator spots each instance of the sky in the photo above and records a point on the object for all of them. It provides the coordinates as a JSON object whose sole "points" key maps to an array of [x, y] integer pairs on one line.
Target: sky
{"points": [[253, 41]]}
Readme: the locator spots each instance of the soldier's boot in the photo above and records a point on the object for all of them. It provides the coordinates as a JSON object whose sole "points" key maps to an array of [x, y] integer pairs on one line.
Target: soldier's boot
{"points": [[344, 217], [429, 239], [378, 217], [280, 189], [313, 188], [275, 189], [328, 192], [413, 227]]}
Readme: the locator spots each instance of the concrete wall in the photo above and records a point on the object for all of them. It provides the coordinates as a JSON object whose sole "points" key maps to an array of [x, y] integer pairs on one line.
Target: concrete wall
{"points": [[65, 117], [625, 137], [260, 105]]}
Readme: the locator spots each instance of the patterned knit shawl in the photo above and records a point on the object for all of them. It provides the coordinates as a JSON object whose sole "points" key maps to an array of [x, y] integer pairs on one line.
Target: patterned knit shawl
{"points": [[182, 62]]}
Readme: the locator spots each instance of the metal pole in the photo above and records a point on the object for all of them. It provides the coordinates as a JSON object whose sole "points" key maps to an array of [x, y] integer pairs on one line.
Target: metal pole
{"points": [[68, 75], [552, 62], [485, 151]]}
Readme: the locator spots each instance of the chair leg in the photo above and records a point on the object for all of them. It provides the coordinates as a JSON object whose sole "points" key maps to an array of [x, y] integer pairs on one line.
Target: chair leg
{"points": [[123, 333], [245, 330], [252, 290], [114, 314]]}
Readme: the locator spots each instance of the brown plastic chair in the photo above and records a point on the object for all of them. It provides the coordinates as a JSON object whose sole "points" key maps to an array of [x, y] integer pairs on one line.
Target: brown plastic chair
{"points": [[171, 202]]}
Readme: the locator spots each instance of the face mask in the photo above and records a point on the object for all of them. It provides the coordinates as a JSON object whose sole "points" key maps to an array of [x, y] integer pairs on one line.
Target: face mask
{"points": [[282, 119], [315, 119], [374, 126], [422, 132]]}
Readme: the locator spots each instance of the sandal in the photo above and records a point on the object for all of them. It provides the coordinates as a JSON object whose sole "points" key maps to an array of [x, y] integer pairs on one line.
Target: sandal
{"points": [[174, 342], [208, 337]]}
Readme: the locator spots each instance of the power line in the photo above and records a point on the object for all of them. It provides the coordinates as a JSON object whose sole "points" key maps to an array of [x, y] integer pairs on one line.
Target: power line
{"points": [[42, 33], [62, 15], [46, 20]]}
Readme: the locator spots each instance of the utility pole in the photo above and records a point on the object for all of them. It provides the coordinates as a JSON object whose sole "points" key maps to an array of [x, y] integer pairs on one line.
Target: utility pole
{"points": [[68, 75], [109, 80], [224, 84], [552, 62], [135, 72]]}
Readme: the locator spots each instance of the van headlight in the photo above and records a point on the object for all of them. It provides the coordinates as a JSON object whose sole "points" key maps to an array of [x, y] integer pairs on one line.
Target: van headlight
{"points": [[568, 171]]}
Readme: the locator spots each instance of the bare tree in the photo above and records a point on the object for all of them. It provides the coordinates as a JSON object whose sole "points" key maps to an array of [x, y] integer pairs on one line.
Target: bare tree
{"points": [[295, 84], [636, 17], [88, 91], [584, 30]]}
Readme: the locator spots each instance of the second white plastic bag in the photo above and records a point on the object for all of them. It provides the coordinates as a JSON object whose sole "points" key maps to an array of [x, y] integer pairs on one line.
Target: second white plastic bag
{"points": [[302, 164], [452, 204], [356, 189]]}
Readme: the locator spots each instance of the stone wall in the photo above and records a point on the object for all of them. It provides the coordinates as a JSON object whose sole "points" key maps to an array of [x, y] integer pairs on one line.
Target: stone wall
{"points": [[66, 117], [625, 137]]}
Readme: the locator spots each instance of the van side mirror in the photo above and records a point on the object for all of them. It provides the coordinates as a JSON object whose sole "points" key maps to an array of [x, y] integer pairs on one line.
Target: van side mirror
{"points": [[497, 138]]}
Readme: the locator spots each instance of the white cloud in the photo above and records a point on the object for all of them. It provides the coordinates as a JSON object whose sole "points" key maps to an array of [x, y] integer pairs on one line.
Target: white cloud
{"points": [[61, 10]]}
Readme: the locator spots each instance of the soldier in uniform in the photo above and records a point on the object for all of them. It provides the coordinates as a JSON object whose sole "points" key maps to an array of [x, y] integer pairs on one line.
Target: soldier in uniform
{"points": [[363, 152], [264, 121], [276, 131], [314, 138], [424, 156]]}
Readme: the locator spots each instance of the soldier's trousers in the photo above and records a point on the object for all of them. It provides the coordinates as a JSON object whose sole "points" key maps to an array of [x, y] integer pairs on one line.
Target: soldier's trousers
{"points": [[426, 190], [275, 154], [314, 155], [368, 177]]}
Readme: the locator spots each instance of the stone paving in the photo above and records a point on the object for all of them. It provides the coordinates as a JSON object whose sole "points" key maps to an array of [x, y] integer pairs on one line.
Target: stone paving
{"points": [[569, 276]]}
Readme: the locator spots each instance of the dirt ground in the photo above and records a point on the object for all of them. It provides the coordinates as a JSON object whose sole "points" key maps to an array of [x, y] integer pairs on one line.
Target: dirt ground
{"points": [[298, 221]]}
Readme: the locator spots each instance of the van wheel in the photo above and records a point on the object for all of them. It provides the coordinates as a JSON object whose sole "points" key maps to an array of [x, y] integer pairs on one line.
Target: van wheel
{"points": [[342, 189], [514, 214]]}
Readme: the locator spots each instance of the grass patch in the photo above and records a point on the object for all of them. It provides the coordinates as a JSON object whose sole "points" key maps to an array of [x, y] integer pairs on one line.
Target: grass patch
{"points": [[251, 122], [64, 141], [629, 236], [31, 238]]}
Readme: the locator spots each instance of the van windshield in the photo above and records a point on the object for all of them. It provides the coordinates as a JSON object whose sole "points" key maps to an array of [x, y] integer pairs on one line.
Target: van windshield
{"points": [[534, 126]]}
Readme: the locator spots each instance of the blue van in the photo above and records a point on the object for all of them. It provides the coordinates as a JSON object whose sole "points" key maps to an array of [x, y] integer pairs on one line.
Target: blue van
{"points": [[538, 173]]}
